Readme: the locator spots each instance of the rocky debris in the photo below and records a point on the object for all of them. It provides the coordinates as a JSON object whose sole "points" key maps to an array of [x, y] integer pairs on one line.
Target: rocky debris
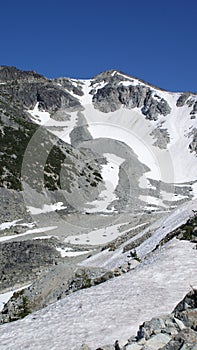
{"points": [[166, 324], [185, 340], [21, 261], [112, 96]]}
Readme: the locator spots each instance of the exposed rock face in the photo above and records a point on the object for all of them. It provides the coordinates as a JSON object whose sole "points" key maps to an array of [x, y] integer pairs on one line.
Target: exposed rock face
{"points": [[19, 261], [66, 83], [194, 110], [162, 137], [27, 88], [182, 99], [21, 91], [193, 144], [112, 96], [12, 73]]}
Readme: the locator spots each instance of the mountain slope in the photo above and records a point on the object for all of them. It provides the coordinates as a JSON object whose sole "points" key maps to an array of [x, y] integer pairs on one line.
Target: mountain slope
{"points": [[96, 176]]}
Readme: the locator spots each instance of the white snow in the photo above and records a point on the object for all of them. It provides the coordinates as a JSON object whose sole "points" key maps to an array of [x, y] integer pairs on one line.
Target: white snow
{"points": [[166, 225], [46, 208], [69, 253], [43, 237], [145, 183], [174, 164], [5, 297], [112, 310], [159, 229], [86, 98], [144, 153], [40, 117], [152, 200], [110, 174], [167, 196], [28, 232], [102, 235], [7, 225]]}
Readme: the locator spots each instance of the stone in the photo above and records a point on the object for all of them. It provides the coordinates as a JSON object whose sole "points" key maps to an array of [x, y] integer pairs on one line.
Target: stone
{"points": [[189, 318], [84, 347], [158, 341], [179, 323], [133, 346], [182, 99], [112, 96]]}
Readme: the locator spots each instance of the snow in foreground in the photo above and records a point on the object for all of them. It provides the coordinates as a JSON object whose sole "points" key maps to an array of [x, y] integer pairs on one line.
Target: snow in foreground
{"points": [[112, 310]]}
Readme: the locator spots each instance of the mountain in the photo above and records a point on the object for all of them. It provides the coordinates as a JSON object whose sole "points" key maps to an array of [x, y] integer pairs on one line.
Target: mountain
{"points": [[98, 207]]}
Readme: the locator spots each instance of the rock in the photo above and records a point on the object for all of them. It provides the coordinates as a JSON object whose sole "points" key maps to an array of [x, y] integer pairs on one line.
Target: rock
{"points": [[180, 323], [133, 346], [117, 345], [158, 341], [193, 144], [84, 347], [111, 96], [189, 318], [162, 138], [194, 110], [19, 261], [106, 347], [182, 99], [186, 339]]}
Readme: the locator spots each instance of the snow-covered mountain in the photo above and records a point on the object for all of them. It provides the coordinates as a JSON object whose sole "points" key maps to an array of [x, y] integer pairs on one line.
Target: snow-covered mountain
{"points": [[95, 177]]}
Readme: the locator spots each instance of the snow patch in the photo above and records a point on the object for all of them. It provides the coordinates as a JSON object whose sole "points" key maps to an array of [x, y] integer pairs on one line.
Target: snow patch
{"points": [[102, 235], [69, 253], [113, 310], [110, 174], [28, 232], [40, 117], [46, 208]]}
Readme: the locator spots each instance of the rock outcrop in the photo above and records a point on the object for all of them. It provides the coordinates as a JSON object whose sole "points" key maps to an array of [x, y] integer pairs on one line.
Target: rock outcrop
{"points": [[112, 96]]}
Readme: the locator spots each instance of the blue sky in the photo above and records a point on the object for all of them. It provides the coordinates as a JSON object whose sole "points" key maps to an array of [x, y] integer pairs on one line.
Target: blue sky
{"points": [[149, 39]]}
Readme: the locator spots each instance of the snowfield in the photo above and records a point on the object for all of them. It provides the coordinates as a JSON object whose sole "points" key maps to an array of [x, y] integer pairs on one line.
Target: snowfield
{"points": [[112, 310]]}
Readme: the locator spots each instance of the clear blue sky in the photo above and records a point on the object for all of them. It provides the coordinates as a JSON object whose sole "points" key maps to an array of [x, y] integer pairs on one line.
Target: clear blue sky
{"points": [[153, 40]]}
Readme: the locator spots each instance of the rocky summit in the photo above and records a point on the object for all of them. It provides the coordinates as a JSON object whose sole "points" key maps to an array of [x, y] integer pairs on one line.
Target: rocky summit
{"points": [[98, 219]]}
